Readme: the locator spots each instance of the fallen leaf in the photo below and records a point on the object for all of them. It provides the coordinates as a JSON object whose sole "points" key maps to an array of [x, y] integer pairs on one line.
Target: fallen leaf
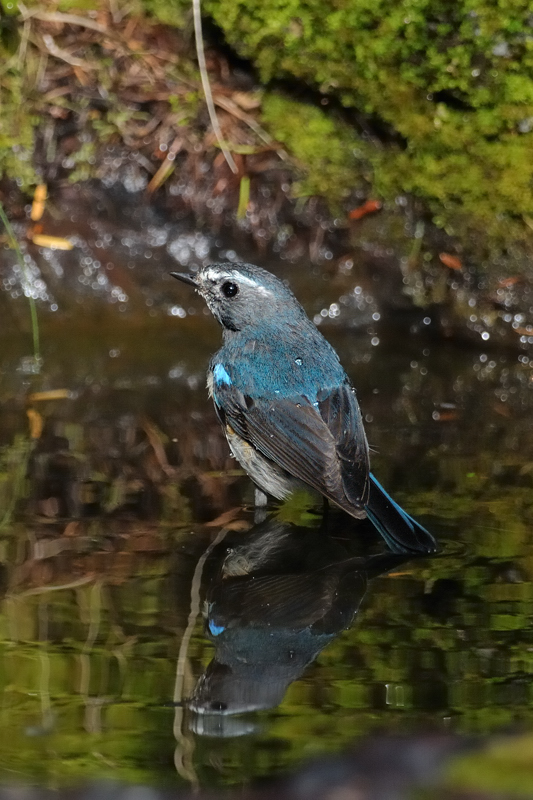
{"points": [[451, 261], [224, 518], [367, 208], [71, 528], [36, 423], [156, 439], [167, 167], [52, 242], [82, 76], [502, 410], [399, 574], [445, 416], [39, 200], [53, 394], [504, 282]]}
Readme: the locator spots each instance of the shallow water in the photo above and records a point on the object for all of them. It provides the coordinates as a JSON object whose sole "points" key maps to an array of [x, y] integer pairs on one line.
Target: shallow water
{"points": [[137, 594]]}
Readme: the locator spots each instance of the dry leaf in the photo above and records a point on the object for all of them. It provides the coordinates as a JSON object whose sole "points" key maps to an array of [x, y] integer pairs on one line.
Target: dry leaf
{"points": [[52, 242], [36, 423], [451, 261], [53, 394], [39, 200], [167, 167], [367, 208], [503, 283], [225, 518]]}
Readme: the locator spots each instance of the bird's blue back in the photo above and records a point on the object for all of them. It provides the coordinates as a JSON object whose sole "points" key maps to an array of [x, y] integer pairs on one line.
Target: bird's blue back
{"points": [[278, 359]]}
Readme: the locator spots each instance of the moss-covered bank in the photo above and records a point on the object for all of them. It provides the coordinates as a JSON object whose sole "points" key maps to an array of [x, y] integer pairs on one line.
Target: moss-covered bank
{"points": [[454, 81], [442, 93]]}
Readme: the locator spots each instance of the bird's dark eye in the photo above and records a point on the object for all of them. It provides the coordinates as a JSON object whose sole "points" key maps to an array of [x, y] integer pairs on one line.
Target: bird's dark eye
{"points": [[230, 289]]}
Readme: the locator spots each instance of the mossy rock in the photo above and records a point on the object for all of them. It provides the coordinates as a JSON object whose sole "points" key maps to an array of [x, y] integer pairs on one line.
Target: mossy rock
{"points": [[454, 81], [332, 165]]}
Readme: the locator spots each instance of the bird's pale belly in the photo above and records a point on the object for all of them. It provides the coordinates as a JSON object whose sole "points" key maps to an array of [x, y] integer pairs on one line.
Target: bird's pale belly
{"points": [[270, 478]]}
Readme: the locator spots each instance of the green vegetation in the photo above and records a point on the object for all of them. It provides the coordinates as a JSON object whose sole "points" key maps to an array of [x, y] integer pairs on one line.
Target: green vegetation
{"points": [[323, 145], [454, 81], [58, 71], [17, 128], [450, 85], [12, 239]]}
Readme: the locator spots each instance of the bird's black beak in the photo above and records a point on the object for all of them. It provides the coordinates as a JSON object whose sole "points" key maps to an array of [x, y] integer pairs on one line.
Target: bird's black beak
{"points": [[183, 276]]}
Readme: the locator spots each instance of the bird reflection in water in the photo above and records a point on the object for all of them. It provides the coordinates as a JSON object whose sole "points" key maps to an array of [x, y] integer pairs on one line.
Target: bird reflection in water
{"points": [[274, 601]]}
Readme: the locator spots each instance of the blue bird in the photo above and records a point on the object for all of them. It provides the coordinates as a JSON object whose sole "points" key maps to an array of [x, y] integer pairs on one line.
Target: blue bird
{"points": [[287, 407]]}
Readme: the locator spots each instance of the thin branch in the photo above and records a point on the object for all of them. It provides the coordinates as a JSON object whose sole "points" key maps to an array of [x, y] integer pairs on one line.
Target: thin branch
{"points": [[64, 55], [197, 16], [58, 16], [233, 109]]}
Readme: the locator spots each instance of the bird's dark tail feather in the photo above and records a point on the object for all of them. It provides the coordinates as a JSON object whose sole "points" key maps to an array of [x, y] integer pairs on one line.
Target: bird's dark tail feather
{"points": [[401, 532]]}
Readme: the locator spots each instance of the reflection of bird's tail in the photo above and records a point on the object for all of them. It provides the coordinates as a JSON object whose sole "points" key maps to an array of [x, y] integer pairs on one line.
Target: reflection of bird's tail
{"points": [[401, 532]]}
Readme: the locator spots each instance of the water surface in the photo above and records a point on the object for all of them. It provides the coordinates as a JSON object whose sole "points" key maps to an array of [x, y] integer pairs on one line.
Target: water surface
{"points": [[141, 606]]}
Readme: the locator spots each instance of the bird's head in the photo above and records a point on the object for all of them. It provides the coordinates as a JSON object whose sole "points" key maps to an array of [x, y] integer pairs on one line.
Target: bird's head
{"points": [[240, 295]]}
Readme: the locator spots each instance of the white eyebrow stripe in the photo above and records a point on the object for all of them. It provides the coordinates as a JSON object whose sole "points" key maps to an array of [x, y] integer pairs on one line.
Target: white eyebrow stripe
{"points": [[213, 274], [248, 281], [217, 275], [263, 291]]}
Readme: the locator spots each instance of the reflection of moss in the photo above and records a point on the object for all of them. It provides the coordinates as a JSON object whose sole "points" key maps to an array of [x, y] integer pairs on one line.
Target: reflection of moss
{"points": [[454, 80], [299, 509], [506, 766]]}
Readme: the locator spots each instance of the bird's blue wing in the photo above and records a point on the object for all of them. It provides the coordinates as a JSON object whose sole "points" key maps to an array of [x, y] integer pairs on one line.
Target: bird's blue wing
{"points": [[322, 443], [340, 411]]}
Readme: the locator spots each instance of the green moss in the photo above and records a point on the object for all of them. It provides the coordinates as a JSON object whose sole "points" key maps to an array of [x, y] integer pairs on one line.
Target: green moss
{"points": [[16, 133], [331, 165], [452, 81], [177, 12], [455, 80]]}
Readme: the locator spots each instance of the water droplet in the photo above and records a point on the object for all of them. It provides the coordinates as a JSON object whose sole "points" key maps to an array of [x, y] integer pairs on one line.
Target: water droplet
{"points": [[298, 361]]}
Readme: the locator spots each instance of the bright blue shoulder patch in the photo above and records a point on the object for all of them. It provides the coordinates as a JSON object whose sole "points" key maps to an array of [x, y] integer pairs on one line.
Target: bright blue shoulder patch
{"points": [[215, 629], [220, 375]]}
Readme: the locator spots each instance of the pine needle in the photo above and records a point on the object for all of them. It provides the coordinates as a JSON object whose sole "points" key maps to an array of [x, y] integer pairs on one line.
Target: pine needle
{"points": [[244, 197], [33, 309]]}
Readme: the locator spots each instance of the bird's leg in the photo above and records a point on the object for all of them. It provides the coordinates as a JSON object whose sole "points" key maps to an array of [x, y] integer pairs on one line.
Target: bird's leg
{"points": [[260, 503]]}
